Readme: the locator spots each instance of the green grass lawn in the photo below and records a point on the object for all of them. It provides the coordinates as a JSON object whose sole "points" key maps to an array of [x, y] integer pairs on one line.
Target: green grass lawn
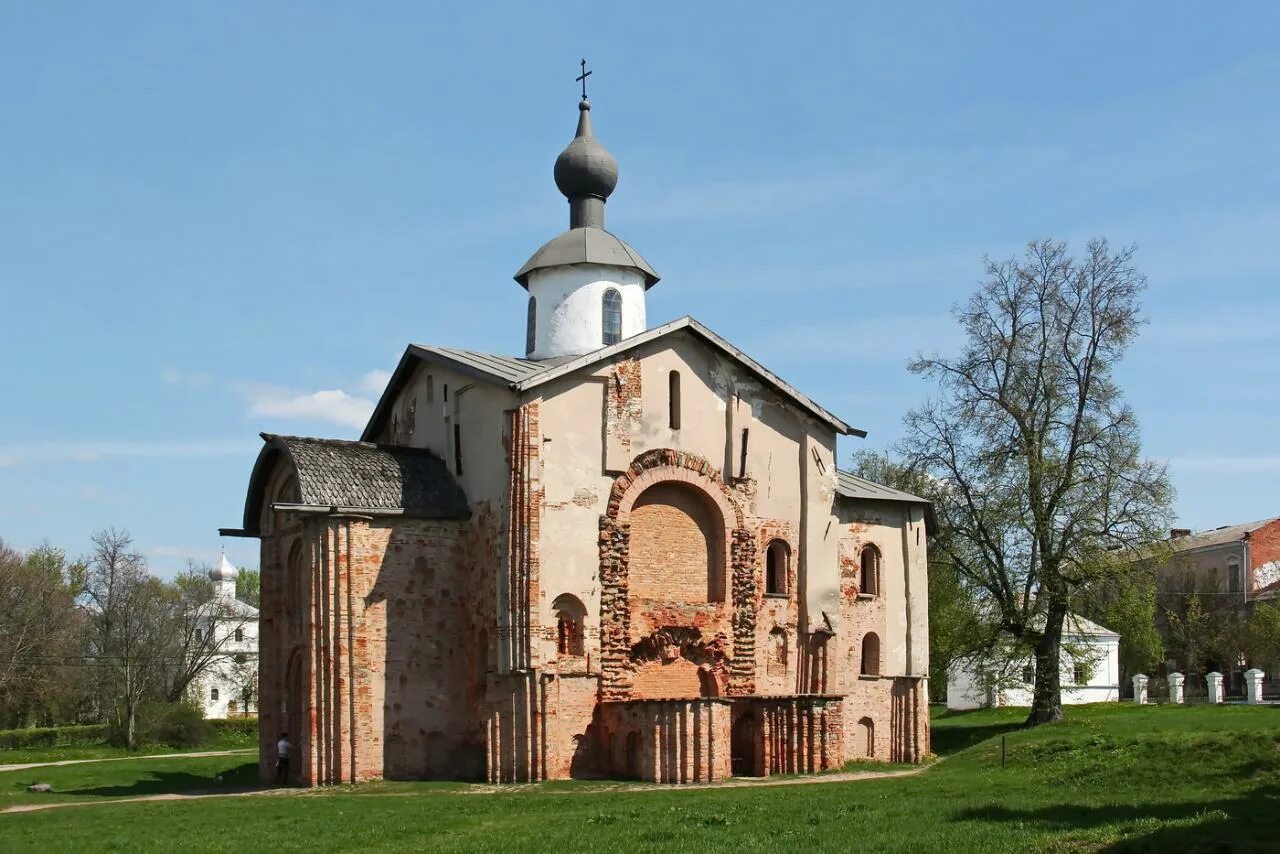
{"points": [[17, 756], [1110, 778]]}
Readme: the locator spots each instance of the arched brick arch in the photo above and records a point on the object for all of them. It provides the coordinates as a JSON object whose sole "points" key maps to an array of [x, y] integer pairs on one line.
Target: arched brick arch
{"points": [[647, 470], [664, 464]]}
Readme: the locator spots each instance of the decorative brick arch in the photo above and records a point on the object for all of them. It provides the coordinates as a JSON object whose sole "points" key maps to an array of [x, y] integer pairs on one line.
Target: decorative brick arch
{"points": [[651, 468], [664, 464]]}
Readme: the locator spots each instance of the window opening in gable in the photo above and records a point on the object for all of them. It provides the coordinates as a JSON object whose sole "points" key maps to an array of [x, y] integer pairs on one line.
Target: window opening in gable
{"points": [[777, 561], [673, 400]]}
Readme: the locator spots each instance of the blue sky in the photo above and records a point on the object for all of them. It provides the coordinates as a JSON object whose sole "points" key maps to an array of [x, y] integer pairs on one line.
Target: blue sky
{"points": [[219, 219]]}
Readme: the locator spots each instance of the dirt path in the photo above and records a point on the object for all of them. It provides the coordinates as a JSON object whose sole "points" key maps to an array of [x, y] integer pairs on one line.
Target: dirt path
{"points": [[735, 783], [25, 765]]}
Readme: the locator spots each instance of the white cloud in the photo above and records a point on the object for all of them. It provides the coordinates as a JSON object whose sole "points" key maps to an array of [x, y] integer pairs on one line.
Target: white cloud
{"points": [[334, 405], [375, 381], [89, 451]]}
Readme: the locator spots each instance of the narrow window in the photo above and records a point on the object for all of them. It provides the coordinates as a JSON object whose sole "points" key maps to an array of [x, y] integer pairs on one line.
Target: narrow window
{"points": [[1028, 674], [870, 581], [871, 655], [199, 636], [612, 317], [1081, 673], [530, 332], [777, 558], [239, 635], [446, 392], [213, 694], [673, 400], [431, 389], [457, 448], [1234, 579], [742, 456], [570, 616]]}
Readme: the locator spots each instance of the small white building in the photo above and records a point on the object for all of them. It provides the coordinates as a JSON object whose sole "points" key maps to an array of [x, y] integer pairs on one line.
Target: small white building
{"points": [[1090, 672], [228, 688]]}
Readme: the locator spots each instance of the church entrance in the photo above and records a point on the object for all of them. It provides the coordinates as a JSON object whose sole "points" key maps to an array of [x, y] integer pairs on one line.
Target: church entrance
{"points": [[744, 747]]}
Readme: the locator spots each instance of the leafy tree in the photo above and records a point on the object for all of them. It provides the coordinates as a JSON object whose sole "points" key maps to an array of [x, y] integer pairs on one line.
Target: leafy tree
{"points": [[1262, 635], [248, 585], [1036, 453], [38, 629], [1124, 600]]}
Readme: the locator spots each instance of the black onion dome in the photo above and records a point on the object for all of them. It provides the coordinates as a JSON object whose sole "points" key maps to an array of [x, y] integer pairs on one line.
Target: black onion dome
{"points": [[585, 169]]}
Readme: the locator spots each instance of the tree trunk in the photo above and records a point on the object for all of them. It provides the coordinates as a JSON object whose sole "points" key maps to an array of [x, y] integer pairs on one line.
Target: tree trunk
{"points": [[1046, 704], [131, 726]]}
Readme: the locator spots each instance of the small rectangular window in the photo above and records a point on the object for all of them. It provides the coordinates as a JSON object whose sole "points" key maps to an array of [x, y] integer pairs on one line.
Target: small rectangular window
{"points": [[213, 694], [239, 635], [742, 458], [1081, 673]]}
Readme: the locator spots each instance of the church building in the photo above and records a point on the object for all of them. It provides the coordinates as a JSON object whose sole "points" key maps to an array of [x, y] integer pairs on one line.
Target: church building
{"points": [[628, 552]]}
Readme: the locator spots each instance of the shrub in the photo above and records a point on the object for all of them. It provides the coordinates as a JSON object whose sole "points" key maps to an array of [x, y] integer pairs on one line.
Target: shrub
{"points": [[235, 728], [52, 736], [178, 724], [181, 725]]}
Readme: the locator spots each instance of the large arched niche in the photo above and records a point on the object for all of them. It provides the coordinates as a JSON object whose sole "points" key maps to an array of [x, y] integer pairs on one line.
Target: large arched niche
{"points": [[677, 545]]}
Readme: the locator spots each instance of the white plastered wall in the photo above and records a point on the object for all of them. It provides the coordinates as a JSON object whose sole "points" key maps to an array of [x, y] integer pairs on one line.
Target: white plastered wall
{"points": [[570, 302]]}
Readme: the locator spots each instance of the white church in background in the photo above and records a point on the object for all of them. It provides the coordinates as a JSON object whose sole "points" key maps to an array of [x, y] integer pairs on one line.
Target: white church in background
{"points": [[229, 686], [1090, 672]]}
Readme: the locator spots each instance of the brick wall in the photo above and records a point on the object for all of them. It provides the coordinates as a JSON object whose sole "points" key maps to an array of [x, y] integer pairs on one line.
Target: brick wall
{"points": [[1264, 554], [676, 550], [666, 741]]}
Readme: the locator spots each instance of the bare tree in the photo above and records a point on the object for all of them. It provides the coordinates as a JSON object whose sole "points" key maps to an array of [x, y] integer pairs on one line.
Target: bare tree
{"points": [[1037, 454], [129, 617], [202, 627]]}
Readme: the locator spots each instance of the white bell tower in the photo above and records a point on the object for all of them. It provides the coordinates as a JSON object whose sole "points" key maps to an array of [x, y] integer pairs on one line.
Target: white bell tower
{"points": [[586, 286]]}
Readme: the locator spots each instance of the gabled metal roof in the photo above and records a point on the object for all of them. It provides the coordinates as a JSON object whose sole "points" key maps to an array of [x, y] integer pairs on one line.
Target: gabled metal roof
{"points": [[688, 323], [1218, 536], [524, 374], [849, 485], [486, 365]]}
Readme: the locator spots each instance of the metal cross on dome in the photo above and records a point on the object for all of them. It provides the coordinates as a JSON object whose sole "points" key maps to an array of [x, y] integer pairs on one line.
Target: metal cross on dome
{"points": [[583, 79]]}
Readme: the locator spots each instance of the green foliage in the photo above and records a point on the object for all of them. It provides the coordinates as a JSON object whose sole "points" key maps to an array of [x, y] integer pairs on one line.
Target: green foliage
{"points": [[235, 727], [51, 736], [1262, 635], [248, 585], [1125, 602], [179, 724]]}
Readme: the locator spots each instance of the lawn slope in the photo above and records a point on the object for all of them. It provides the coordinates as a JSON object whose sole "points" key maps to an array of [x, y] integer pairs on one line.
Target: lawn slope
{"points": [[1110, 778]]}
